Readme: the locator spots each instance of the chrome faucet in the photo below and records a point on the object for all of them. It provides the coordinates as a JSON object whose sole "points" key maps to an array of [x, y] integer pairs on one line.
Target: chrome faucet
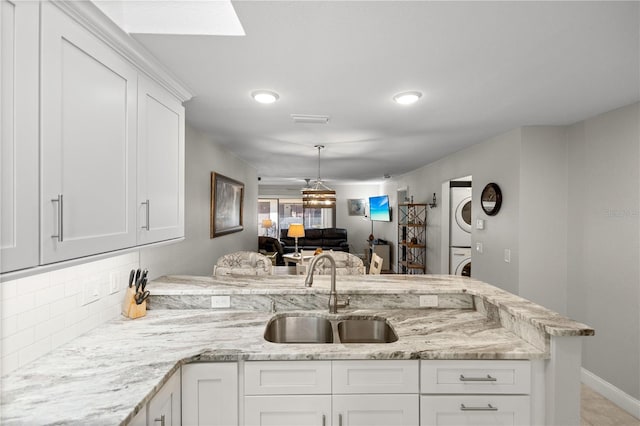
{"points": [[333, 294]]}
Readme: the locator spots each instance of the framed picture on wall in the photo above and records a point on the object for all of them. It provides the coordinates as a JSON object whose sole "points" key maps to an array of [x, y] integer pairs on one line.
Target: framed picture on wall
{"points": [[227, 197], [356, 206]]}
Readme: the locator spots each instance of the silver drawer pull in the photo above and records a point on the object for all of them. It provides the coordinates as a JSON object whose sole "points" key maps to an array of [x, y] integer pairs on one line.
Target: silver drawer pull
{"points": [[324, 420], [489, 407], [478, 379], [339, 419], [60, 234], [146, 203], [161, 420]]}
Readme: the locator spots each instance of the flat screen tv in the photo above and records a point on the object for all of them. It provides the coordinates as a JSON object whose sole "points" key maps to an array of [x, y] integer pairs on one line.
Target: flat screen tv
{"points": [[379, 208]]}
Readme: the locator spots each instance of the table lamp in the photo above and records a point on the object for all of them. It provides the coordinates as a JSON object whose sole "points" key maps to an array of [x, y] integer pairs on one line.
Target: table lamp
{"points": [[267, 224], [296, 230]]}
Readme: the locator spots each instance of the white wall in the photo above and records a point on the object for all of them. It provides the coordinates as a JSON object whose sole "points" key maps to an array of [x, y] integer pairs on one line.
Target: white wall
{"points": [[198, 253], [604, 237], [358, 228], [495, 160], [44, 311]]}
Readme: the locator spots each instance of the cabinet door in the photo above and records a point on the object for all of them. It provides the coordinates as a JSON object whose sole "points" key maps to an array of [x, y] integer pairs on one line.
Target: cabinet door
{"points": [[88, 107], [160, 164], [287, 410], [210, 394], [375, 410], [476, 410], [19, 138], [164, 407]]}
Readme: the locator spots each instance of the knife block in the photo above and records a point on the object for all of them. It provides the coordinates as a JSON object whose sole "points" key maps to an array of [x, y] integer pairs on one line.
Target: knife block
{"points": [[129, 307]]}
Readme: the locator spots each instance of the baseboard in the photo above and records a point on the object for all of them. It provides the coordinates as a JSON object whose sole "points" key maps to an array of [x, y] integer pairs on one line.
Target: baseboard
{"points": [[612, 393]]}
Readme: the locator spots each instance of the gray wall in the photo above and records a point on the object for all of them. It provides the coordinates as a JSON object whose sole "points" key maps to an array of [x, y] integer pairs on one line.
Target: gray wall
{"points": [[603, 243], [198, 253], [495, 160], [543, 216], [571, 216]]}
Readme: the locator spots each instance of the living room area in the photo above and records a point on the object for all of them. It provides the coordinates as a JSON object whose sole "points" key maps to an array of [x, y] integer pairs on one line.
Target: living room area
{"points": [[344, 226]]}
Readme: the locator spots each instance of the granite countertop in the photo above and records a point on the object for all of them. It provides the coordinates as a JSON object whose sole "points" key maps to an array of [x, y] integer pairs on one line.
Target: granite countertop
{"points": [[107, 375]]}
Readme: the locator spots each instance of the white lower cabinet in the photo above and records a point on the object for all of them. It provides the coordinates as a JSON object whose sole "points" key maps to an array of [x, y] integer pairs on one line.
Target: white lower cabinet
{"points": [[287, 410], [375, 410], [460, 393], [337, 393], [164, 409], [462, 410], [210, 394]]}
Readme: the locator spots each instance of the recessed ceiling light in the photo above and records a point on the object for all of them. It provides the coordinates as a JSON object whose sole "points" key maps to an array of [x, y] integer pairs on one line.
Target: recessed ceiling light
{"points": [[265, 96], [407, 98]]}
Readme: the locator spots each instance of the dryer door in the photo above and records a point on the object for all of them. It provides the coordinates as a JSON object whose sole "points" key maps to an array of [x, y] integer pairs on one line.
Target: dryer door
{"points": [[464, 268], [463, 214]]}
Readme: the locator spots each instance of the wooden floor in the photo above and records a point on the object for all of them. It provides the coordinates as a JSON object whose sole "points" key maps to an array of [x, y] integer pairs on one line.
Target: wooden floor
{"points": [[596, 410]]}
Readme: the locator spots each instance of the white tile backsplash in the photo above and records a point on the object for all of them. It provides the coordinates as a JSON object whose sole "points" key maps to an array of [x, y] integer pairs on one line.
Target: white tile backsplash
{"points": [[45, 311]]}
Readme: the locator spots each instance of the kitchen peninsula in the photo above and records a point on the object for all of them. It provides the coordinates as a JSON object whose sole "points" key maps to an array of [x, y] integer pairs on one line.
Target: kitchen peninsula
{"points": [[108, 375]]}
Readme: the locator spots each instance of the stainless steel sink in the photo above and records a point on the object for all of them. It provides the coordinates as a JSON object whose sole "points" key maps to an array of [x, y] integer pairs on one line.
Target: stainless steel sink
{"points": [[300, 328], [366, 331]]}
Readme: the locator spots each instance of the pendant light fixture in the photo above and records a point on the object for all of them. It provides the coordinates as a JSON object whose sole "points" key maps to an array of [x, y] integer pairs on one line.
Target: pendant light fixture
{"points": [[319, 195]]}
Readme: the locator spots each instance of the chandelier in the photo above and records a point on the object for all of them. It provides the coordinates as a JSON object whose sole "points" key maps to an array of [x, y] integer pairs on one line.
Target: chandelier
{"points": [[318, 195]]}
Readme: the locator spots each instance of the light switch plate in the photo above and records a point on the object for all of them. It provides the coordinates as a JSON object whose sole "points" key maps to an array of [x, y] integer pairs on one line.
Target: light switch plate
{"points": [[220, 301], [479, 247], [480, 224], [114, 282], [429, 301], [507, 255]]}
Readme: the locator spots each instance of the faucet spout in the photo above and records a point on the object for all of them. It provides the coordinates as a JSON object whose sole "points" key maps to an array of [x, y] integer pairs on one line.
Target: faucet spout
{"points": [[333, 294]]}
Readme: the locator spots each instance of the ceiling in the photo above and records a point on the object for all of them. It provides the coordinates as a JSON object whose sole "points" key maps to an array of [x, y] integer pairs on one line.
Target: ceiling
{"points": [[483, 68]]}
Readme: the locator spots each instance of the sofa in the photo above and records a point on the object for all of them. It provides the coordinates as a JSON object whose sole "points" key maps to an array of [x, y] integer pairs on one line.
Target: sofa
{"points": [[327, 239], [271, 245], [243, 263]]}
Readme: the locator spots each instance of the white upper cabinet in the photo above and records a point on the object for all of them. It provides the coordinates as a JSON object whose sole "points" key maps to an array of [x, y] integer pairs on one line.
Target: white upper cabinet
{"points": [[160, 164], [88, 142], [19, 51]]}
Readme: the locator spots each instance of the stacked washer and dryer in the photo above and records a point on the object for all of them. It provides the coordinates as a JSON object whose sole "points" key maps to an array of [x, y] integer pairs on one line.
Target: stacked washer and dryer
{"points": [[460, 228]]}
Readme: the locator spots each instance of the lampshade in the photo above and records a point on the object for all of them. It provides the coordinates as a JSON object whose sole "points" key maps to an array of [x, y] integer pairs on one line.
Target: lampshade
{"points": [[296, 230], [267, 223]]}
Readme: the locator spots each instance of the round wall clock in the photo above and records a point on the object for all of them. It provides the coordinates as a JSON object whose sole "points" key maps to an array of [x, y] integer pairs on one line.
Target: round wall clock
{"points": [[491, 199]]}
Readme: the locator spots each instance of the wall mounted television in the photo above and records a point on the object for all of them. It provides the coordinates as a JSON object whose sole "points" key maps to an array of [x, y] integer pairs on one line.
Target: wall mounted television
{"points": [[379, 208]]}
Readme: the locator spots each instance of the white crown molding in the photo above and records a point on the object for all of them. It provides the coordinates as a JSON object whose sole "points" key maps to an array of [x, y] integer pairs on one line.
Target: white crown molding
{"points": [[88, 15]]}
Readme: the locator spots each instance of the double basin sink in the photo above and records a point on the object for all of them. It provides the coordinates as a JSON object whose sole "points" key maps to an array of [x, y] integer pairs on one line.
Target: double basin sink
{"points": [[304, 328]]}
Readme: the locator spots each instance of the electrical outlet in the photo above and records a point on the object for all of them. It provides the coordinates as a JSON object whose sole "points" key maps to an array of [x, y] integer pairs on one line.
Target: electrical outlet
{"points": [[429, 301], [220, 301], [90, 291], [507, 255], [114, 282]]}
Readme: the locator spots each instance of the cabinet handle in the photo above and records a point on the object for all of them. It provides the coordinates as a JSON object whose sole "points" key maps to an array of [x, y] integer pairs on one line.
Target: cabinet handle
{"points": [[60, 213], [478, 379], [324, 420], [161, 420], [147, 225], [489, 407], [339, 419]]}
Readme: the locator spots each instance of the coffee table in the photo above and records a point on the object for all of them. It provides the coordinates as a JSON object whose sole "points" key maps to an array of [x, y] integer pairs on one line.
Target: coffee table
{"points": [[290, 258]]}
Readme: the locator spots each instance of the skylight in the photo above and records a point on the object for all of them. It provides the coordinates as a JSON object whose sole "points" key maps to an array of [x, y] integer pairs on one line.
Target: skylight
{"points": [[181, 17]]}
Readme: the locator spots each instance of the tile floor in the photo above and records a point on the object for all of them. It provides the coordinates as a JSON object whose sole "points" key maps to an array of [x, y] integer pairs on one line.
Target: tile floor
{"points": [[596, 410]]}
